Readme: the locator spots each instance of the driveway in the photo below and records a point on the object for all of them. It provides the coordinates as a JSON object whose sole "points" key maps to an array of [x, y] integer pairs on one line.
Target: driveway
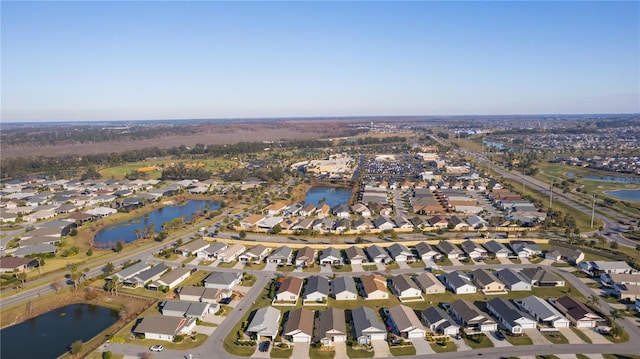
{"points": [[326, 269], [596, 338], [381, 349], [259, 354], [341, 350], [270, 267], [497, 342], [357, 268], [300, 350], [381, 266], [462, 346], [504, 260], [214, 263], [403, 265], [537, 337], [524, 260], [455, 261], [422, 347]]}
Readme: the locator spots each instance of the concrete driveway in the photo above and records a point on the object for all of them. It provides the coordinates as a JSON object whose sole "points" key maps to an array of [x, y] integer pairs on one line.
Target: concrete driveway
{"points": [[596, 338], [341, 350], [357, 268], [455, 261], [537, 337], [462, 346], [381, 349], [422, 346], [326, 269], [381, 267], [270, 267], [300, 350], [497, 342], [403, 265], [572, 337], [504, 260]]}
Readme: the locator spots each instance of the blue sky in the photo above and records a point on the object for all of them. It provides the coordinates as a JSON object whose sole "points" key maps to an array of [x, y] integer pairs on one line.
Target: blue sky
{"points": [[64, 61]]}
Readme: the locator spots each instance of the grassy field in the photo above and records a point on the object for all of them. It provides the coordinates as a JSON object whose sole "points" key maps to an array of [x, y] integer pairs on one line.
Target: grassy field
{"points": [[403, 350], [358, 353], [519, 340], [321, 353], [478, 341], [153, 169]]}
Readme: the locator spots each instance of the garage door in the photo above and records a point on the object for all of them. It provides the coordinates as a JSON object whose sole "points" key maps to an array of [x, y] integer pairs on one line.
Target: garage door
{"points": [[414, 335], [339, 338], [380, 336], [301, 339]]}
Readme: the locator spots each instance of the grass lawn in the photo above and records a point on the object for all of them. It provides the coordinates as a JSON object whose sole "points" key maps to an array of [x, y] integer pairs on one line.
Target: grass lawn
{"points": [[519, 340], [255, 266], [248, 280], [620, 356], [98, 355], [560, 264], [280, 352], [623, 338], [417, 264], [403, 350], [227, 265], [195, 278], [345, 268], [478, 341], [312, 269], [370, 268], [448, 347], [582, 336], [581, 356], [320, 353], [153, 171], [556, 337], [359, 353], [189, 259], [550, 356], [224, 310], [444, 262], [515, 260], [492, 261]]}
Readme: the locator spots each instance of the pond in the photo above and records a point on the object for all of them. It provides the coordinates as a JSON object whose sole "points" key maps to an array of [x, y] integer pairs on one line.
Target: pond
{"points": [[613, 179], [126, 231], [332, 196], [50, 335], [625, 194]]}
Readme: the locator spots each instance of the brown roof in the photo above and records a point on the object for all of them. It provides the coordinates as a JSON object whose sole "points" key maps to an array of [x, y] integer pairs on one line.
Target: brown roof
{"points": [[15, 262], [373, 282], [80, 216], [291, 285], [307, 254], [300, 319]]}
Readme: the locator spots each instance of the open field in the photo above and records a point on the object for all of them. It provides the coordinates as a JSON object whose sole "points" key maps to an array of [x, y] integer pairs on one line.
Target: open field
{"points": [[153, 168]]}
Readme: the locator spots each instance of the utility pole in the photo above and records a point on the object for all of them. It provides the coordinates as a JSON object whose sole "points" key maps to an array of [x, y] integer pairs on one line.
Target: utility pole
{"points": [[551, 196], [593, 209]]}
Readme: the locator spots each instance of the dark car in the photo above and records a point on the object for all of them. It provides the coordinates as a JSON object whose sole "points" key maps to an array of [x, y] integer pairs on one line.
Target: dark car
{"points": [[499, 335], [264, 346], [225, 300]]}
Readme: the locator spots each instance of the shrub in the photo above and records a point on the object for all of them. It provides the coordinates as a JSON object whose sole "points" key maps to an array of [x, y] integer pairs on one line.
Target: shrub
{"points": [[119, 340], [178, 338], [106, 355]]}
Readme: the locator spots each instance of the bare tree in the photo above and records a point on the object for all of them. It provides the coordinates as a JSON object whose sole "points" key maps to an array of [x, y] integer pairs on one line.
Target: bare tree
{"points": [[57, 285]]}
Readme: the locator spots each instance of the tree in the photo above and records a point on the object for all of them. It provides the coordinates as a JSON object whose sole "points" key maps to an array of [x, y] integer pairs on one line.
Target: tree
{"points": [[73, 232], [108, 268], [638, 251], [76, 347], [57, 285], [614, 314], [22, 276], [75, 277], [89, 252], [242, 234], [594, 300], [613, 244], [137, 233], [119, 246]]}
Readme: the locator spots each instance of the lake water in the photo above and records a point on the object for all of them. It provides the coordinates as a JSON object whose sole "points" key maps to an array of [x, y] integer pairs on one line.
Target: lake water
{"points": [[625, 194], [497, 145], [51, 334], [125, 231], [613, 179], [333, 195]]}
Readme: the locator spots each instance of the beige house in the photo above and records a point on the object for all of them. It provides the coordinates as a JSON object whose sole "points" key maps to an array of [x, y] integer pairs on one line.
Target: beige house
{"points": [[374, 287], [487, 282]]}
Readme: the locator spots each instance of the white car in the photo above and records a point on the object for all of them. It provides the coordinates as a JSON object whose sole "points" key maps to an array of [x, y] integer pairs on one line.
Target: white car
{"points": [[156, 348]]}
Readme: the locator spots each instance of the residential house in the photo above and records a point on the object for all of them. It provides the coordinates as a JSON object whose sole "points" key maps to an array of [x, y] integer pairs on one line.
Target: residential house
{"points": [[449, 249], [171, 279], [438, 222], [186, 309], [473, 250], [513, 280], [212, 251], [487, 282], [17, 265], [367, 326], [305, 257], [457, 283], [426, 252], [330, 327], [344, 288], [543, 312], [429, 283], [439, 322], [275, 208], [265, 323], [405, 288], [362, 225], [289, 290], [330, 257], [402, 222], [42, 248], [323, 211], [471, 318], [377, 255], [251, 222], [540, 277], [612, 279], [192, 248], [341, 210], [596, 268], [374, 287], [308, 210], [497, 249], [254, 255], [316, 290], [202, 294], [231, 253], [281, 256], [129, 272], [573, 256], [355, 255], [146, 276], [626, 292], [165, 328], [299, 326], [404, 322], [579, 314], [457, 223], [362, 210], [511, 319], [222, 280], [477, 222], [400, 253], [526, 249], [342, 225]]}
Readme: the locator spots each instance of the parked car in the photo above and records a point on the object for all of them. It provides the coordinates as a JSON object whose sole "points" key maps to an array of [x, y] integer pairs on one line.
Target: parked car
{"points": [[499, 335], [156, 348], [264, 346]]}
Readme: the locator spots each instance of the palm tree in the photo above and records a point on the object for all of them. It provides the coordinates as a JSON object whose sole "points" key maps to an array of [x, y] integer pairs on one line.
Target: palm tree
{"points": [[22, 276], [594, 300], [614, 314], [137, 233]]}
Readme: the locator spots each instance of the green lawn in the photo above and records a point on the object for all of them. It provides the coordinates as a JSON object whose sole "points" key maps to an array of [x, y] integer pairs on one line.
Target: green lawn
{"points": [[417, 264], [359, 353], [448, 347], [620, 356], [227, 265], [321, 353], [556, 337], [370, 268], [403, 350], [478, 341], [492, 261], [280, 352], [519, 340], [345, 268], [248, 280], [623, 338], [120, 171]]}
